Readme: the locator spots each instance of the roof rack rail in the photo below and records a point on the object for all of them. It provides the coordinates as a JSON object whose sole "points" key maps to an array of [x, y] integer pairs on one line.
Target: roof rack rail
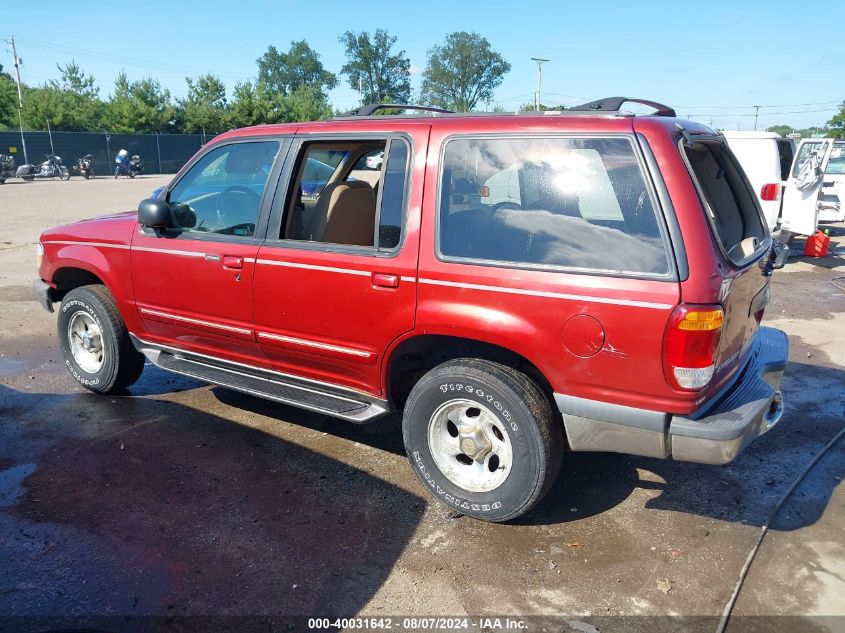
{"points": [[368, 110], [614, 104]]}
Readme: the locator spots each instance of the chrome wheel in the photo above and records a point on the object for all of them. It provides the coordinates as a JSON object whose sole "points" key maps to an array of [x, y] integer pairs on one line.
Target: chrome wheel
{"points": [[470, 445], [86, 342]]}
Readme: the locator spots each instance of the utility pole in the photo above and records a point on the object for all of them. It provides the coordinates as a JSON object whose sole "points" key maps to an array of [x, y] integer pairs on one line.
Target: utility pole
{"points": [[20, 94], [756, 112], [540, 61]]}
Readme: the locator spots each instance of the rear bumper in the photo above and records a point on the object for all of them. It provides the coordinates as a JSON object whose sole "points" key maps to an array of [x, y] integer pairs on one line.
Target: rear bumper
{"points": [[43, 294], [715, 434]]}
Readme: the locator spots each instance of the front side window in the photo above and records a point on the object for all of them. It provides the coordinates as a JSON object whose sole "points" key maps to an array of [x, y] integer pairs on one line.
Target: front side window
{"points": [[221, 193], [578, 203]]}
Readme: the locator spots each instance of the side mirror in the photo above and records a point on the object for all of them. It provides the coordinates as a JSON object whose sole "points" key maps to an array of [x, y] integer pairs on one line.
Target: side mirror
{"points": [[154, 213]]}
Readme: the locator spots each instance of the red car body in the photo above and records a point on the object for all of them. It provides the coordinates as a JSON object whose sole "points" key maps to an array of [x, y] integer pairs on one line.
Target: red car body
{"points": [[348, 319]]}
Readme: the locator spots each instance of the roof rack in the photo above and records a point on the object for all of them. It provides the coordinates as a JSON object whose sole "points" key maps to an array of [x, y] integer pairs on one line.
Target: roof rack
{"points": [[370, 109], [614, 104]]}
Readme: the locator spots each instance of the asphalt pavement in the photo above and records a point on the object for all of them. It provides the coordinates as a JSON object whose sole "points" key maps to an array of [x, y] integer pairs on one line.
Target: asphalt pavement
{"points": [[181, 502]]}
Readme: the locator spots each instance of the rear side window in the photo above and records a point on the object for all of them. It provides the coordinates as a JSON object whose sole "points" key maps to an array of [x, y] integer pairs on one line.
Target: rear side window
{"points": [[541, 202], [728, 199]]}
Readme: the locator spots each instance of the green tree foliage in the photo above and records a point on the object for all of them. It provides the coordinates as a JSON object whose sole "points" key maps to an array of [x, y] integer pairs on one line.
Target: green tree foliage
{"points": [[305, 103], [528, 106], [8, 101], [283, 73], [382, 76], [837, 123], [205, 108], [70, 103], [251, 105], [462, 71], [783, 130], [140, 106]]}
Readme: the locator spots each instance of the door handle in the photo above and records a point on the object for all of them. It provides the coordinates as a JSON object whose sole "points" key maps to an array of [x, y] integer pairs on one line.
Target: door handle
{"points": [[233, 263], [385, 280]]}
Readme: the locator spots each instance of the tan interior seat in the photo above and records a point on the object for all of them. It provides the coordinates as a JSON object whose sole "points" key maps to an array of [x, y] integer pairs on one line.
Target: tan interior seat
{"points": [[344, 214]]}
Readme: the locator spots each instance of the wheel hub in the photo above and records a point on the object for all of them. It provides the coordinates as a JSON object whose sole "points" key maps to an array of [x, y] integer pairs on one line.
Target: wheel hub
{"points": [[85, 340], [470, 445], [474, 442]]}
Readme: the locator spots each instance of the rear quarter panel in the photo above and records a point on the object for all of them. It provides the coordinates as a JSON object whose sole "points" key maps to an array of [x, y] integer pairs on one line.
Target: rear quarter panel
{"points": [[525, 310]]}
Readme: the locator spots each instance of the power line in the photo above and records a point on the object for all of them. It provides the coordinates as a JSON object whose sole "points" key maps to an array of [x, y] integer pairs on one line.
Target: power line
{"points": [[120, 60], [782, 105], [727, 115]]}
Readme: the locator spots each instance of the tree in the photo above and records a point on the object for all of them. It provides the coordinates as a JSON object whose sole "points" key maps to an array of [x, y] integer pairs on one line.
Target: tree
{"points": [[140, 106], [381, 76], [783, 130], [8, 101], [70, 103], [837, 123], [305, 103], [204, 109], [282, 73], [462, 72], [528, 106], [251, 105]]}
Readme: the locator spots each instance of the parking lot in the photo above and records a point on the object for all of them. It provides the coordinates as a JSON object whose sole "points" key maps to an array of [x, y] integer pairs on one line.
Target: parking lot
{"points": [[184, 499]]}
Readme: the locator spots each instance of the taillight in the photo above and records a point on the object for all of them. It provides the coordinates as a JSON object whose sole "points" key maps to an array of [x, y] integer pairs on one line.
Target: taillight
{"points": [[770, 191], [692, 338]]}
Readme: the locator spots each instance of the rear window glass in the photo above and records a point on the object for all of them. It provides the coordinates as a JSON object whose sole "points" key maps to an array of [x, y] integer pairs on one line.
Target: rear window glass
{"points": [[578, 203], [728, 198]]}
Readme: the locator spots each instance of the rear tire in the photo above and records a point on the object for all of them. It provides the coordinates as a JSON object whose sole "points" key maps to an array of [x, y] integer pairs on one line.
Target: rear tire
{"points": [[482, 438], [94, 341]]}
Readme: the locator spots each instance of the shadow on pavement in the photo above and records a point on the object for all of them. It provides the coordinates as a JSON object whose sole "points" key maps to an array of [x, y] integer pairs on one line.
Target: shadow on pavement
{"points": [[144, 507], [743, 491]]}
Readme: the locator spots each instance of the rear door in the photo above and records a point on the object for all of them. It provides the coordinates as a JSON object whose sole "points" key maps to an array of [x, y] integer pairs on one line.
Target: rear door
{"points": [[330, 296], [801, 195]]}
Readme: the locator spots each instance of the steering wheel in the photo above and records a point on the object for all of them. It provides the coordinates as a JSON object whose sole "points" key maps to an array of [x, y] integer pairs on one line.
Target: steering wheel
{"points": [[253, 199]]}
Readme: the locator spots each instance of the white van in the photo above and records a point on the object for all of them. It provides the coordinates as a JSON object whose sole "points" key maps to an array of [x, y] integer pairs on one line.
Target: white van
{"points": [[766, 158]]}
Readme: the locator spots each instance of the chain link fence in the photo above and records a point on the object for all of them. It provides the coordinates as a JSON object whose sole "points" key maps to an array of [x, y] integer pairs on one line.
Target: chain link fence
{"points": [[161, 153]]}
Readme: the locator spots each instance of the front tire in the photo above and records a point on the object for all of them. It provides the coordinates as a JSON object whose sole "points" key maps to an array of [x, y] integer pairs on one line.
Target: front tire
{"points": [[482, 438], [94, 341]]}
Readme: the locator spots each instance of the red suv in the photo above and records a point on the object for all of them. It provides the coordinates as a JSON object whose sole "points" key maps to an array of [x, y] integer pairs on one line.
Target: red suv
{"points": [[516, 283]]}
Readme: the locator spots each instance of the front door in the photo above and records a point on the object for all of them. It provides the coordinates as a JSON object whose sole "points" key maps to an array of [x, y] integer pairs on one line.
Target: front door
{"points": [[193, 282], [799, 213], [335, 281]]}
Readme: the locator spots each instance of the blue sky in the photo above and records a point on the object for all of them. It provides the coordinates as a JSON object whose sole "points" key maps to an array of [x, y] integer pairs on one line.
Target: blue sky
{"points": [[710, 60]]}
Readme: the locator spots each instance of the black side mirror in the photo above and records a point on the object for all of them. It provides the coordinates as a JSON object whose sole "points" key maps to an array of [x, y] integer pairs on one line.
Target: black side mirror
{"points": [[154, 213]]}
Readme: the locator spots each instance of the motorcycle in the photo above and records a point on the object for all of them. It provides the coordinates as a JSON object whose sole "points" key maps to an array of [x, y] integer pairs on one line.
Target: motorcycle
{"points": [[125, 166], [85, 166], [7, 167], [50, 168]]}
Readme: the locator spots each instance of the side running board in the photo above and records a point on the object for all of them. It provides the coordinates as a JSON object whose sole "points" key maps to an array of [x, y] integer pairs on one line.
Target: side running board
{"points": [[313, 395]]}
